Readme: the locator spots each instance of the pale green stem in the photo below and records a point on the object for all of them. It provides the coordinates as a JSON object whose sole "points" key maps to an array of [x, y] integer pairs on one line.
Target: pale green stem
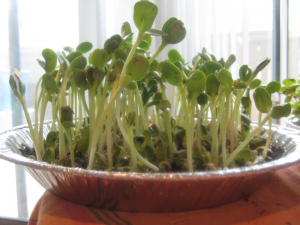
{"points": [[269, 138], [259, 120], [247, 140], [130, 55], [214, 134], [32, 132], [132, 149], [92, 113], [196, 62], [187, 128], [109, 139], [177, 104], [72, 155], [140, 104], [99, 123], [79, 122], [199, 122], [160, 48], [53, 105], [226, 118], [82, 98], [42, 116], [36, 106], [192, 121], [232, 129]]}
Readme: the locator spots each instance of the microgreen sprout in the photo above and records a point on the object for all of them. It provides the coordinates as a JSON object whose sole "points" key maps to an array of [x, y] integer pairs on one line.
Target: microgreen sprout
{"points": [[100, 105]]}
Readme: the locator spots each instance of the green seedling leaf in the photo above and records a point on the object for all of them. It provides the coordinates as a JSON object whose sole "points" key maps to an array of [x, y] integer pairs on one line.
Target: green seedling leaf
{"points": [[205, 57], [84, 47], [50, 59], [288, 99], [131, 86], [51, 138], [170, 73], [78, 63], [41, 63], [280, 111], [156, 32], [144, 45], [273, 87], [137, 67], [112, 43], [164, 104], [175, 56], [155, 102], [85, 132], [255, 83], [289, 82], [261, 66], [196, 83], [128, 39], [147, 38], [131, 118], [95, 75], [262, 100], [111, 47], [49, 83], [242, 72], [241, 85], [144, 15], [243, 156], [73, 55], [99, 58], [289, 89], [83, 144], [202, 99], [157, 96], [179, 66], [154, 66], [225, 78], [61, 59], [47, 156], [248, 75], [246, 101], [231, 59], [68, 49], [212, 67], [66, 116], [245, 119], [54, 73], [212, 85], [115, 37], [176, 33], [79, 77], [120, 54], [168, 23], [125, 29], [16, 83]]}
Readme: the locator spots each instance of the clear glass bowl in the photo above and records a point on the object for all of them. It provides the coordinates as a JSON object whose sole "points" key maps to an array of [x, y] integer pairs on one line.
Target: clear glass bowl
{"points": [[161, 192]]}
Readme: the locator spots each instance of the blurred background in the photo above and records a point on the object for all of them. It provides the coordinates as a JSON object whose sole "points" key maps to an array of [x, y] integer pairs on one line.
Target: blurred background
{"points": [[251, 29]]}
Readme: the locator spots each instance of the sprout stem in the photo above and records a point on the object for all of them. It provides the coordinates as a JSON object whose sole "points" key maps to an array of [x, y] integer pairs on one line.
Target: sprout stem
{"points": [[246, 141], [32, 132], [187, 126], [95, 135], [269, 138], [131, 53], [160, 48], [68, 134]]}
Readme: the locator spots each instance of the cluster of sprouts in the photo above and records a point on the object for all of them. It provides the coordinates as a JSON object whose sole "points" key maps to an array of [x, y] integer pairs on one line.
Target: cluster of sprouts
{"points": [[111, 112]]}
